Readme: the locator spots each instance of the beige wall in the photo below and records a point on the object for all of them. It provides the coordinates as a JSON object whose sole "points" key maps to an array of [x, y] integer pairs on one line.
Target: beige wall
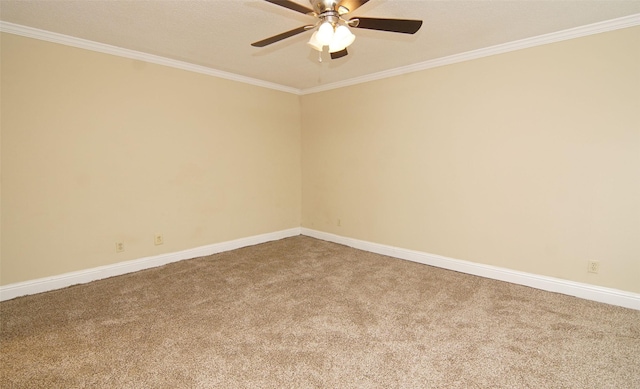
{"points": [[98, 148], [528, 160]]}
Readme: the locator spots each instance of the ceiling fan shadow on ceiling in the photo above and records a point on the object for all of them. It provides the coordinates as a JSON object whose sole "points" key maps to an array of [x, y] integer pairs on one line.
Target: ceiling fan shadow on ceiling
{"points": [[331, 28]]}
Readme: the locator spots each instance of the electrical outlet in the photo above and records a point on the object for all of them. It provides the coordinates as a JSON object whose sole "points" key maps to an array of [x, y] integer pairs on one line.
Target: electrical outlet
{"points": [[119, 247], [339, 222], [593, 267], [158, 239]]}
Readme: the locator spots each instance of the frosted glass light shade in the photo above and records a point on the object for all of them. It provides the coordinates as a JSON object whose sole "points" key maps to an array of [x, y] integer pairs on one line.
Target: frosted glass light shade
{"points": [[341, 39], [314, 42], [325, 33]]}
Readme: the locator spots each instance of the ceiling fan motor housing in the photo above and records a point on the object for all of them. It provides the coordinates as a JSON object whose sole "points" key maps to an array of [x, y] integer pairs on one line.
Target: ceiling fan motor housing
{"points": [[327, 11], [322, 6]]}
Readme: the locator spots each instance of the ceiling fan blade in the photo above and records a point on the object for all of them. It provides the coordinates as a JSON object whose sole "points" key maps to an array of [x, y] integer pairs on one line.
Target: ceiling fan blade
{"points": [[352, 5], [279, 37], [405, 26], [339, 54], [291, 5]]}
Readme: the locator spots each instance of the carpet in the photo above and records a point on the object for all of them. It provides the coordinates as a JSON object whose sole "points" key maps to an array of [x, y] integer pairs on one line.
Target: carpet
{"points": [[305, 313]]}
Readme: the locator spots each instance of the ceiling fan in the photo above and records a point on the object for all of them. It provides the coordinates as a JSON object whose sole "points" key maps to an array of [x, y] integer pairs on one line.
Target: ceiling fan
{"points": [[332, 26]]}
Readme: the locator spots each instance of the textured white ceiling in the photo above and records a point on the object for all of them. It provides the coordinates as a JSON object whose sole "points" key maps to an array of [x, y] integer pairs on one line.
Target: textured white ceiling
{"points": [[218, 33]]}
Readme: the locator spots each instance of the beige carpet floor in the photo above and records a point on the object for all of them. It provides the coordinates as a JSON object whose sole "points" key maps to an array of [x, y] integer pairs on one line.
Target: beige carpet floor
{"points": [[304, 313]]}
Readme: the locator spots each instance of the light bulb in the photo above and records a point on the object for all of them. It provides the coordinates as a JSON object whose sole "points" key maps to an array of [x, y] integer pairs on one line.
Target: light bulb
{"points": [[325, 33]]}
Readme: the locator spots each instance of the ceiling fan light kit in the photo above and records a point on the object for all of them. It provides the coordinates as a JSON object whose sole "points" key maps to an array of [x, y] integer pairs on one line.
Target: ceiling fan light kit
{"points": [[332, 29]]}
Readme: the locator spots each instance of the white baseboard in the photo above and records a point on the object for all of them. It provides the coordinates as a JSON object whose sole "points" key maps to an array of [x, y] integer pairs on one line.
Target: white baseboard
{"points": [[40, 285], [585, 291], [571, 288]]}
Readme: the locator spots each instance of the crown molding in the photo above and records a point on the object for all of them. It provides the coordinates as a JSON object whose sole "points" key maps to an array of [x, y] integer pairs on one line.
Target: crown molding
{"points": [[590, 29], [67, 40]]}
